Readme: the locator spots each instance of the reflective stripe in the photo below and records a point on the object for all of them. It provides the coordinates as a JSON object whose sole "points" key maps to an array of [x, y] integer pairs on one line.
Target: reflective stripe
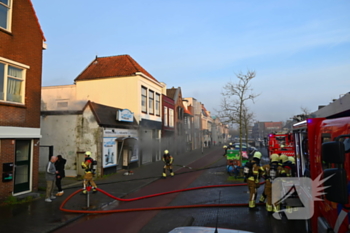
{"points": [[339, 221]]}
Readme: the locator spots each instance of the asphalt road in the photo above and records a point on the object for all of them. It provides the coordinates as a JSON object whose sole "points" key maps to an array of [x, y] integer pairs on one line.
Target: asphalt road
{"points": [[163, 221]]}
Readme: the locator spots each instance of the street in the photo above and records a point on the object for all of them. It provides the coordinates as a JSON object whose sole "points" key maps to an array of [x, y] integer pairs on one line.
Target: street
{"points": [[239, 218]]}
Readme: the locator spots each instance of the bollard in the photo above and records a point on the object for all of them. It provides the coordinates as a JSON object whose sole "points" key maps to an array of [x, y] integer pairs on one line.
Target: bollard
{"points": [[88, 189]]}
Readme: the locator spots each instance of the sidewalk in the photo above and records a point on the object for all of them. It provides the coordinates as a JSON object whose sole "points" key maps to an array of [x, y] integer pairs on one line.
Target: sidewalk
{"points": [[39, 216]]}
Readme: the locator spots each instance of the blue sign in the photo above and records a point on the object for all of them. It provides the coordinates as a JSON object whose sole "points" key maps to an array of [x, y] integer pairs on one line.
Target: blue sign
{"points": [[125, 115]]}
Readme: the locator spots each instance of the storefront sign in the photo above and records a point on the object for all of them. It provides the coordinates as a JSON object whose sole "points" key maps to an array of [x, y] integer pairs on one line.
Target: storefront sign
{"points": [[120, 133], [125, 115], [109, 158]]}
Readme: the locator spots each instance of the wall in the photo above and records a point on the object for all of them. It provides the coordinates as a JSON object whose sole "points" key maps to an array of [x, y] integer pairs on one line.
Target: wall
{"points": [[90, 137], [23, 45], [60, 131], [54, 98], [121, 92], [71, 136]]}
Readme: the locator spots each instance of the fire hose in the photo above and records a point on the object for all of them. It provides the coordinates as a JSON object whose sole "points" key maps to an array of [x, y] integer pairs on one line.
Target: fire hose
{"points": [[154, 195]]}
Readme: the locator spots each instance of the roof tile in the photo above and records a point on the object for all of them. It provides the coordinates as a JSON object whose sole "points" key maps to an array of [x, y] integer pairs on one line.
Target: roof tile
{"points": [[114, 66]]}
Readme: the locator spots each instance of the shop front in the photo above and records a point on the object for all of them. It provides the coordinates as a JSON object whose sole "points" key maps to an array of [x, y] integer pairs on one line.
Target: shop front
{"points": [[120, 149]]}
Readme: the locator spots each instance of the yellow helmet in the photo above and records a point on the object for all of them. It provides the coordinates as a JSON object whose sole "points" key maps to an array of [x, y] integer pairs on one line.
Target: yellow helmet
{"points": [[224, 147], [166, 152], [292, 159], [282, 146], [274, 157], [284, 158], [88, 153], [257, 155], [230, 143]]}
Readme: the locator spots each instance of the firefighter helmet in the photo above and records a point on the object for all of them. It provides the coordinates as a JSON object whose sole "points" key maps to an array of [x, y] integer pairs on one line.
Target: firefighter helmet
{"points": [[166, 152], [230, 143], [224, 147], [257, 154], [88, 153], [292, 159], [274, 157], [284, 158]]}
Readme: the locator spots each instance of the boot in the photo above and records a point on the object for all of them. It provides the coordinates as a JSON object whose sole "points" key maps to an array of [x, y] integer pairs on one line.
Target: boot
{"points": [[269, 208], [262, 199], [252, 206], [164, 175]]}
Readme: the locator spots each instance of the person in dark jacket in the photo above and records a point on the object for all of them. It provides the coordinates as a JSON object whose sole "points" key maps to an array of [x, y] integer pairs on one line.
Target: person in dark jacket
{"points": [[59, 164]]}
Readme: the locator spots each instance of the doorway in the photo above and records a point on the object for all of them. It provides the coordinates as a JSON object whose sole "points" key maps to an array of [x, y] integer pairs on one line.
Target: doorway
{"points": [[22, 166]]}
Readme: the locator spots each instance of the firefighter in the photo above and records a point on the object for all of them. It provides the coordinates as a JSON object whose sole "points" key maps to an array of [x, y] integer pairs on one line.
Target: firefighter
{"points": [[230, 146], [275, 156], [225, 148], [87, 165], [168, 160], [286, 166], [292, 165], [253, 171], [271, 171], [287, 171]]}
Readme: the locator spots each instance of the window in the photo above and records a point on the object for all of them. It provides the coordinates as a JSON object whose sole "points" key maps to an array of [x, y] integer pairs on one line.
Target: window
{"points": [[143, 99], [165, 116], [11, 83], [171, 117], [157, 104], [5, 8], [62, 104], [180, 113], [151, 102]]}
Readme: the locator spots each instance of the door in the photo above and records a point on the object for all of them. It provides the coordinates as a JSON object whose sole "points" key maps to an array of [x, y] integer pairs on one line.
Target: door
{"points": [[22, 166]]}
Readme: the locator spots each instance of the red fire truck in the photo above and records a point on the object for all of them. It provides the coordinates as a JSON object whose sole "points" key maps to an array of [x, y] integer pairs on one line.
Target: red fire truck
{"points": [[281, 143], [322, 146]]}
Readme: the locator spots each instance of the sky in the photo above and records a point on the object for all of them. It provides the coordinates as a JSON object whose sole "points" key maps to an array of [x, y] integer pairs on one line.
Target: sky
{"points": [[300, 50]]}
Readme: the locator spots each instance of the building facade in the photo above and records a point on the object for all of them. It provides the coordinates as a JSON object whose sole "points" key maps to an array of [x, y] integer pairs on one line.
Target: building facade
{"points": [[119, 82], [21, 49], [168, 126]]}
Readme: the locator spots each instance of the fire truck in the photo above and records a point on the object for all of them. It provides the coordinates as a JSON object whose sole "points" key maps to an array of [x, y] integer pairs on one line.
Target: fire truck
{"points": [[281, 143], [322, 146]]}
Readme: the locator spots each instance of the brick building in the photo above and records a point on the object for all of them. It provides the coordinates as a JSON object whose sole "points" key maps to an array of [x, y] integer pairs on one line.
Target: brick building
{"points": [[22, 42]]}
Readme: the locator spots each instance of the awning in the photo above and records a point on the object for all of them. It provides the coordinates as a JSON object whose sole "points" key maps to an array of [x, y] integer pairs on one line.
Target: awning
{"points": [[121, 139]]}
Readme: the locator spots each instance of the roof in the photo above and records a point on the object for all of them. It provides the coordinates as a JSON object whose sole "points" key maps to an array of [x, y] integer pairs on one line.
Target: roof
{"points": [[37, 20], [106, 116], [171, 92], [114, 66], [273, 124], [204, 111], [188, 112]]}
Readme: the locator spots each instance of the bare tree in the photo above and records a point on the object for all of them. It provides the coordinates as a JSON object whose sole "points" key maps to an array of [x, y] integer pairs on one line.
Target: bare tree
{"points": [[248, 118], [235, 95], [305, 111], [303, 116]]}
